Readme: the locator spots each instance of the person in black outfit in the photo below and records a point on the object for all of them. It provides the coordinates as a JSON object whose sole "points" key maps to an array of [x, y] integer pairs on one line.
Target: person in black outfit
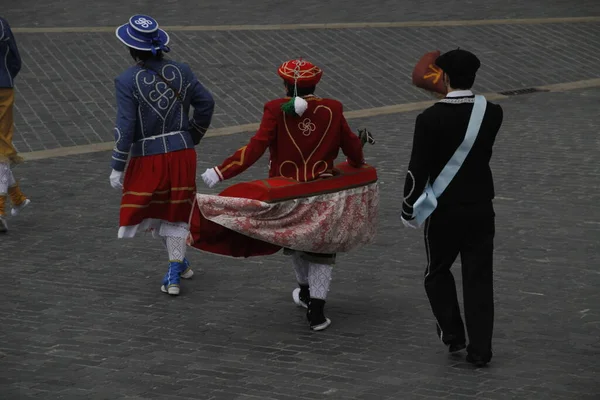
{"points": [[464, 220]]}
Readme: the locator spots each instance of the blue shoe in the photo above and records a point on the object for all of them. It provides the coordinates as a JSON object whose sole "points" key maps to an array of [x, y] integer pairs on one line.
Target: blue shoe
{"points": [[171, 280], [187, 271]]}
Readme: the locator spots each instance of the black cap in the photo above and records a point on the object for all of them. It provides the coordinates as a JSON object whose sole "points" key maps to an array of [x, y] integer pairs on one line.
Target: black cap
{"points": [[458, 63]]}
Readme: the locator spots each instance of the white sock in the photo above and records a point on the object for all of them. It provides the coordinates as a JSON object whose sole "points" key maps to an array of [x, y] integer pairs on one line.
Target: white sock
{"points": [[301, 268], [173, 236], [6, 178], [319, 279]]}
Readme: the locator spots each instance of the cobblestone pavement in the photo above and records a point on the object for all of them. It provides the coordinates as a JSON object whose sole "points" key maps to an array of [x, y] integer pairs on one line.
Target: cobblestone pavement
{"points": [[66, 93], [210, 12], [82, 317]]}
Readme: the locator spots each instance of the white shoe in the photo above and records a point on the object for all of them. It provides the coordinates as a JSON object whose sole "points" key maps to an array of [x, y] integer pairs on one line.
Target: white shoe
{"points": [[321, 326], [296, 297], [172, 290], [17, 209], [187, 274], [3, 225]]}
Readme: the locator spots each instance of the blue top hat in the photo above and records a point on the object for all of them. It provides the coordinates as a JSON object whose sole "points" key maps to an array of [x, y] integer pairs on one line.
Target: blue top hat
{"points": [[142, 33]]}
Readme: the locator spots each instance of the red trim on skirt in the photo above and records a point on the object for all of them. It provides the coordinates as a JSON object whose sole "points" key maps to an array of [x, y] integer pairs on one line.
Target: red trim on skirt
{"points": [[160, 186]]}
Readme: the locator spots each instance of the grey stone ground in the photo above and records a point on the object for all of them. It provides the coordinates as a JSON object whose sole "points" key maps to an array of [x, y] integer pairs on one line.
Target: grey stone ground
{"points": [[81, 314], [213, 12], [72, 74]]}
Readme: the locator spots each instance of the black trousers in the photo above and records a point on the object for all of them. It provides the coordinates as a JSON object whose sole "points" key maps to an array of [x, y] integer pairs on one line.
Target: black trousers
{"points": [[467, 230]]}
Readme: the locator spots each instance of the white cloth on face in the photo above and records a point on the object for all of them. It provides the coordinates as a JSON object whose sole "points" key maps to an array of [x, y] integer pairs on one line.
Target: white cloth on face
{"points": [[319, 280], [301, 267], [210, 177]]}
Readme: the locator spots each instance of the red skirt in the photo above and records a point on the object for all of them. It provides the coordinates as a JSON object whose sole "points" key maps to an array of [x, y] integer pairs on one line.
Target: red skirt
{"points": [[160, 186]]}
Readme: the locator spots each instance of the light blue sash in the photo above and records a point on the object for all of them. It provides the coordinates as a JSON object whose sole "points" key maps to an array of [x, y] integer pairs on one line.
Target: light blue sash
{"points": [[427, 202]]}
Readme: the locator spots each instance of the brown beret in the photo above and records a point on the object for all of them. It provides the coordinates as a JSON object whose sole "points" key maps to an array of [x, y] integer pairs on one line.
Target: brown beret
{"points": [[426, 75]]}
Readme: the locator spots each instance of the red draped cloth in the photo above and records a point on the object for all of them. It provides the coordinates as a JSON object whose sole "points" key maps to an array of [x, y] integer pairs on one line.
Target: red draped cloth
{"points": [[327, 215]]}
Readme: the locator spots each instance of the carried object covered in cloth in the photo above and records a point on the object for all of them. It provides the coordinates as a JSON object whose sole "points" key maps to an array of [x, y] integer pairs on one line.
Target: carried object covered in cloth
{"points": [[334, 213], [427, 75]]}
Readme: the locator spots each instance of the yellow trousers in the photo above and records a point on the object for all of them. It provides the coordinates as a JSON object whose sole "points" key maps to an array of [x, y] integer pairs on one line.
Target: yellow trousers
{"points": [[8, 153], [9, 188]]}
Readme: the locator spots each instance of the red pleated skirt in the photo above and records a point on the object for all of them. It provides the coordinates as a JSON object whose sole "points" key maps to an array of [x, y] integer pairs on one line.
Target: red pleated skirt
{"points": [[160, 186]]}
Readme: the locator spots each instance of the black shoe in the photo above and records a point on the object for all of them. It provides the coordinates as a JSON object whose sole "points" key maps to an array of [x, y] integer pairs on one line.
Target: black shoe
{"points": [[316, 316], [455, 348], [455, 343], [477, 360]]}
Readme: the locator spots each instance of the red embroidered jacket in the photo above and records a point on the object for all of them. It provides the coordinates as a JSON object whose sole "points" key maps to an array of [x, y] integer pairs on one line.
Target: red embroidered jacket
{"points": [[301, 148]]}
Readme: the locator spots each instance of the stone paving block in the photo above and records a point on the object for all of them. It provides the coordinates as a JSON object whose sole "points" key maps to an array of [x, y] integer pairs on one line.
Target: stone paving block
{"points": [[211, 12], [85, 314], [65, 93]]}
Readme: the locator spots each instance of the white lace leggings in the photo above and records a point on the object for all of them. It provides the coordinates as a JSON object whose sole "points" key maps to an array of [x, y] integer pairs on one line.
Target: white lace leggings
{"points": [[316, 276], [6, 178], [173, 236]]}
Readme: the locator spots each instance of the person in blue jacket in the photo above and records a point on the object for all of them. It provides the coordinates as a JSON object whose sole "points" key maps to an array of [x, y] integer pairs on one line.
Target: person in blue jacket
{"points": [[152, 130], [10, 65]]}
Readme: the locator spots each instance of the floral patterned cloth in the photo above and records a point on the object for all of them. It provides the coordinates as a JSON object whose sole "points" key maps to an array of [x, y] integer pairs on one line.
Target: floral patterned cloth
{"points": [[324, 223]]}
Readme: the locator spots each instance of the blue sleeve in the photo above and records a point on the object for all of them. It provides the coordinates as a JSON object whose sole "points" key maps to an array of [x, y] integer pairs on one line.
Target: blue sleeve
{"points": [[13, 60], [204, 106], [125, 126]]}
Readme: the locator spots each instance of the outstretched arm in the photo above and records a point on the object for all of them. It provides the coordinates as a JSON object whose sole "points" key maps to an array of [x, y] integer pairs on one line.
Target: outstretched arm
{"points": [[243, 158]]}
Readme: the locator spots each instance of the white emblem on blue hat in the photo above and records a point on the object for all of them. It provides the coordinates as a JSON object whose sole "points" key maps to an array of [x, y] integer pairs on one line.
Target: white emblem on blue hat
{"points": [[142, 33], [143, 23]]}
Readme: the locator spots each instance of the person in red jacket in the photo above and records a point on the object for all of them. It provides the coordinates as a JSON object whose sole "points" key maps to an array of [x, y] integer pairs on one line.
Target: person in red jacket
{"points": [[304, 134]]}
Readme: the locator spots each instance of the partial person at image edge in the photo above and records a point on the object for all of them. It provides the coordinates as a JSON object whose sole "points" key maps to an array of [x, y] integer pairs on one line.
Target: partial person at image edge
{"points": [[10, 65]]}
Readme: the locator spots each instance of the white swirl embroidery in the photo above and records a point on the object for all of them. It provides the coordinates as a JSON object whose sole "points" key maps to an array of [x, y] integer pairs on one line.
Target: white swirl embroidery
{"points": [[307, 127], [118, 141], [156, 93], [161, 95], [143, 22], [299, 65]]}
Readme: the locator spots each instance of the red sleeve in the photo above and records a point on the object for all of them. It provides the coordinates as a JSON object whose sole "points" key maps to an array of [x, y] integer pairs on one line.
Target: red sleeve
{"points": [[243, 158], [351, 145]]}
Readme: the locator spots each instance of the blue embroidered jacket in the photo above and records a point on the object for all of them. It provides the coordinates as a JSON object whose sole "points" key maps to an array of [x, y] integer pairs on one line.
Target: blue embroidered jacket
{"points": [[10, 61], [151, 117]]}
